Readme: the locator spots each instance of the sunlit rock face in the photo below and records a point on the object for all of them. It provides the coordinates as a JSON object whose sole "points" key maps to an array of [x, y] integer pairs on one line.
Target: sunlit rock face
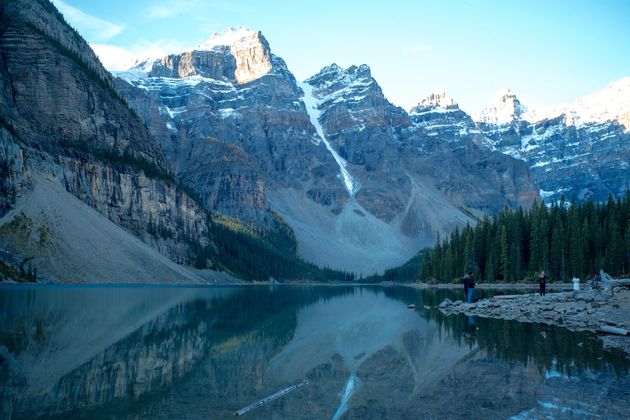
{"points": [[249, 48], [237, 55]]}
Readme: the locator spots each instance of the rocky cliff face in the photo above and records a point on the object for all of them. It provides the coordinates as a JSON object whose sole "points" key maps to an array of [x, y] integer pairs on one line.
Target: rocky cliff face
{"points": [[578, 151], [353, 174], [62, 119], [440, 116]]}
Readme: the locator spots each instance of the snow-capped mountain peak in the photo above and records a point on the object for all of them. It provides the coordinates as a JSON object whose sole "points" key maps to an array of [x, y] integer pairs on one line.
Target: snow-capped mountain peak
{"points": [[504, 109], [250, 50]]}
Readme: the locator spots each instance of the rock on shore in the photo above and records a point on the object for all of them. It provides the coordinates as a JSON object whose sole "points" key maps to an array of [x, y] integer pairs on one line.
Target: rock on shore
{"points": [[604, 312]]}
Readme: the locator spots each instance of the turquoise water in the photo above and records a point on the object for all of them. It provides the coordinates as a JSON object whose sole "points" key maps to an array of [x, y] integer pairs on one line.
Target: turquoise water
{"points": [[178, 352]]}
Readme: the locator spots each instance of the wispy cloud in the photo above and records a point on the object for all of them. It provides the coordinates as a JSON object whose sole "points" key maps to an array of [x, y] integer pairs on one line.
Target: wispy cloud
{"points": [[210, 25], [91, 27], [116, 58], [170, 8], [419, 48], [113, 57], [231, 7]]}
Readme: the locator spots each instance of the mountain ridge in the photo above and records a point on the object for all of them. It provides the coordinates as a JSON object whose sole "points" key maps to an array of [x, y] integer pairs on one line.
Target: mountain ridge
{"points": [[574, 151]]}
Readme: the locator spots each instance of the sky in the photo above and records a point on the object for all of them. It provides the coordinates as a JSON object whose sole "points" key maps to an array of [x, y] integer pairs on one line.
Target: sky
{"points": [[548, 52]]}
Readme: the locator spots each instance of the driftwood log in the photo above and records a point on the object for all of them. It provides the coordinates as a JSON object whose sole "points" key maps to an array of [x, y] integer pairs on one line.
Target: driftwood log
{"points": [[609, 282], [608, 329]]}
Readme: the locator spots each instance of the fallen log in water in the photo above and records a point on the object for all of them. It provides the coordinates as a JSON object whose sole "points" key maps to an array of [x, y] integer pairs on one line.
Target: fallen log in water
{"points": [[609, 329], [270, 398]]}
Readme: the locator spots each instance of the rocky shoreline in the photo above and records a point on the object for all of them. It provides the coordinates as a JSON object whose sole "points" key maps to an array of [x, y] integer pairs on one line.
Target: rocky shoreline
{"points": [[604, 312], [490, 286]]}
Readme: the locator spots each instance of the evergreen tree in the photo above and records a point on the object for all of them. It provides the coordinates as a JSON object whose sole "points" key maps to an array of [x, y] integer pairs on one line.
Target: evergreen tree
{"points": [[504, 256]]}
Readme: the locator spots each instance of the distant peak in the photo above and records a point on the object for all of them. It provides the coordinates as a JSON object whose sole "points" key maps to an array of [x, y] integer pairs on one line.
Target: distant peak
{"points": [[334, 67], [334, 70], [503, 93], [363, 70], [435, 100], [229, 37], [504, 109]]}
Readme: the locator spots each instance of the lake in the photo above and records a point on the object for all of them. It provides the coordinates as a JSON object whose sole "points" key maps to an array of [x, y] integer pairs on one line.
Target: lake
{"points": [[185, 353]]}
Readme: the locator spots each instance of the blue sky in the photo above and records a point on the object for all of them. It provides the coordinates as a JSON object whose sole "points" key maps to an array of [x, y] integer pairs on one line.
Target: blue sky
{"points": [[547, 52]]}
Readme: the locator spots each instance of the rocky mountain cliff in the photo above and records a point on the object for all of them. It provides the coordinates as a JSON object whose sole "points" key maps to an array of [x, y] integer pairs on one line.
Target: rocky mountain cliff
{"points": [[62, 124], [361, 184], [578, 151]]}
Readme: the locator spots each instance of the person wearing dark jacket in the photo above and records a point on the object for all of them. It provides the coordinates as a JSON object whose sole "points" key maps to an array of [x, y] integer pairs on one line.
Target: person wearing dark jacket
{"points": [[464, 280], [470, 287], [542, 282]]}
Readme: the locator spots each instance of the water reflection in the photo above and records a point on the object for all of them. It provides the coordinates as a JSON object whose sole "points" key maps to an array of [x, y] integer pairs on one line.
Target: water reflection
{"points": [[206, 352]]}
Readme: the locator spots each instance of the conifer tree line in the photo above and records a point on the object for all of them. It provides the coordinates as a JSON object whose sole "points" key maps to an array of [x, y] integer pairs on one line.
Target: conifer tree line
{"points": [[565, 240]]}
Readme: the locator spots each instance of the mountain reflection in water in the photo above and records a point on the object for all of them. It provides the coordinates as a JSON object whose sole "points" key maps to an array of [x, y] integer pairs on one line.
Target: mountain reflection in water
{"points": [[102, 352]]}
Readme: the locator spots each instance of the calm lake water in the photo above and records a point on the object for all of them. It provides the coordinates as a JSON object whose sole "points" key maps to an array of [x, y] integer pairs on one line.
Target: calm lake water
{"points": [[189, 353]]}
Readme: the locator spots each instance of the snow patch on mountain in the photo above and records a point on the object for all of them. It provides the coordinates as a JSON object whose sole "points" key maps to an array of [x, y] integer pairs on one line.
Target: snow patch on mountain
{"points": [[312, 108], [229, 37], [609, 103]]}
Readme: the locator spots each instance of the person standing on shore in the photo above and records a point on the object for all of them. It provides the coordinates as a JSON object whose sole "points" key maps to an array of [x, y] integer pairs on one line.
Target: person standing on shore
{"points": [[469, 281], [464, 279], [542, 282]]}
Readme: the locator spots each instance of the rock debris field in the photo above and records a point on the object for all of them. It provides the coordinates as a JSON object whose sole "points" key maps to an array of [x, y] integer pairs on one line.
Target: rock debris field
{"points": [[604, 312]]}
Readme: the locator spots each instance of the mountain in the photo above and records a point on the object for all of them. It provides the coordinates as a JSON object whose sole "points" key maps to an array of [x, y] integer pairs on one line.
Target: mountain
{"points": [[578, 151], [229, 118], [362, 186], [87, 195]]}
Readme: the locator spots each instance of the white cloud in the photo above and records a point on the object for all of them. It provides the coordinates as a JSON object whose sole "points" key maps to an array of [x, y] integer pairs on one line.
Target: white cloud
{"points": [[170, 8], [92, 27], [419, 48], [116, 58], [113, 57], [160, 12]]}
